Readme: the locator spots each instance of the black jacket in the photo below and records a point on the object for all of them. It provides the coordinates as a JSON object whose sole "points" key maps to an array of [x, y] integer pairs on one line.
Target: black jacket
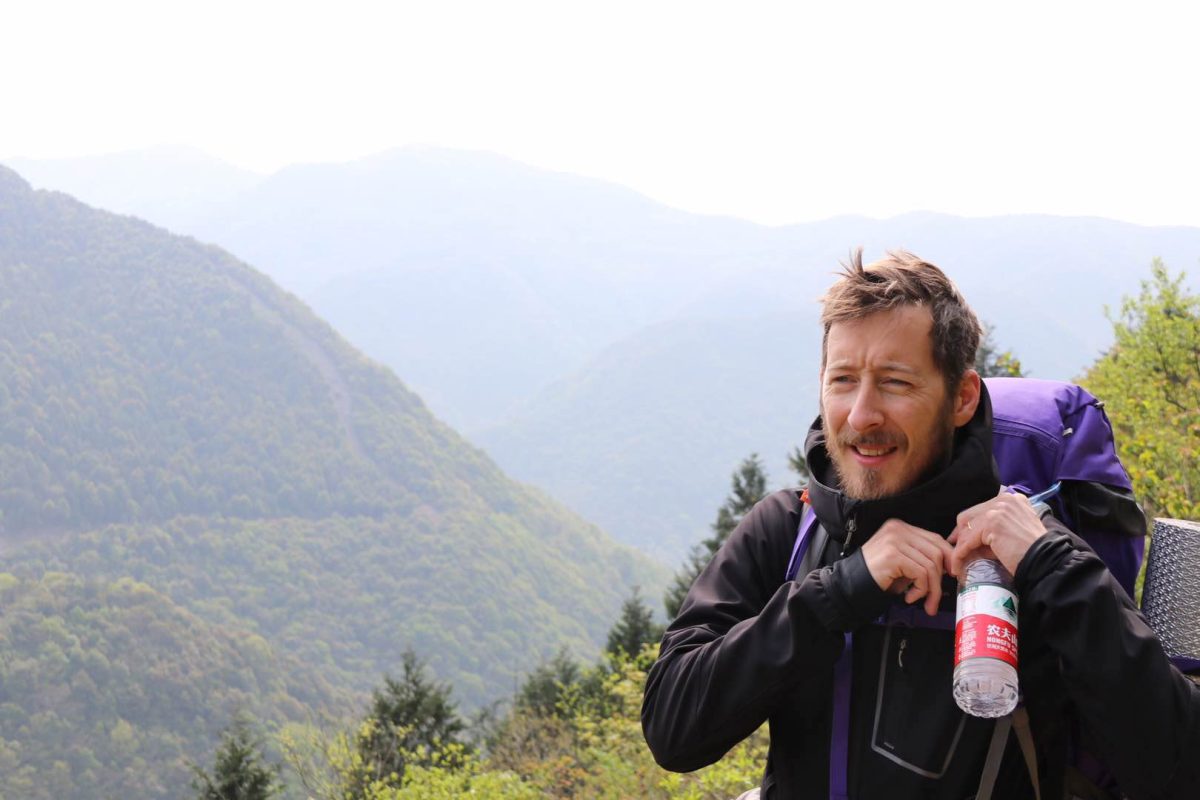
{"points": [[748, 648]]}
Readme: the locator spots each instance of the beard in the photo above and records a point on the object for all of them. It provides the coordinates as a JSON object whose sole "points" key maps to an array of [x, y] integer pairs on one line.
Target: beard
{"points": [[859, 482]]}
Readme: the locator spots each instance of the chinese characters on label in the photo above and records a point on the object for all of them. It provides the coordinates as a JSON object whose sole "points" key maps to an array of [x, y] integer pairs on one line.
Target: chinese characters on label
{"points": [[987, 625]]}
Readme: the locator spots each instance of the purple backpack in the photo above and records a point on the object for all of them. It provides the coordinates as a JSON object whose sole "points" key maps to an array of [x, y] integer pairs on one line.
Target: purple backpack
{"points": [[1048, 431], [1043, 432]]}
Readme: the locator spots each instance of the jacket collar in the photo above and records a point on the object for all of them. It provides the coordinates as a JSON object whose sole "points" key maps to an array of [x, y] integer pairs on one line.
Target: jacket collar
{"points": [[970, 478]]}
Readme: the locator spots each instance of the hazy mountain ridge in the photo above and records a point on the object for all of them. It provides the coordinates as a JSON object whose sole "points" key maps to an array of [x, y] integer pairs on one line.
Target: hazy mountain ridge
{"points": [[170, 185], [644, 439], [172, 416], [441, 260], [625, 454], [490, 285]]}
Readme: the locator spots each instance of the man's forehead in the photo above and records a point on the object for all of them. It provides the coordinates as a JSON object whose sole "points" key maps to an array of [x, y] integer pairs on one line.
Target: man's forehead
{"points": [[898, 339]]}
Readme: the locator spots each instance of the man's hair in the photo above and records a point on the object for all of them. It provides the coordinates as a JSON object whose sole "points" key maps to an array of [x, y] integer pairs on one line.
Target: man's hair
{"points": [[903, 279]]}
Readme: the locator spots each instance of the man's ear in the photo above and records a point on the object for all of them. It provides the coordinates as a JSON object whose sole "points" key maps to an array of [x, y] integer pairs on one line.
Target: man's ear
{"points": [[966, 399]]}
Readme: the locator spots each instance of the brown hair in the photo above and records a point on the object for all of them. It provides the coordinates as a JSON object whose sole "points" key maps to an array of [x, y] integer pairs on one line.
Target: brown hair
{"points": [[902, 279]]}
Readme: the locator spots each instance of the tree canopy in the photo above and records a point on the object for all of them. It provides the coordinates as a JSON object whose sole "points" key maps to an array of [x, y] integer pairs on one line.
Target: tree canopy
{"points": [[412, 718], [634, 629], [1150, 382], [240, 771]]}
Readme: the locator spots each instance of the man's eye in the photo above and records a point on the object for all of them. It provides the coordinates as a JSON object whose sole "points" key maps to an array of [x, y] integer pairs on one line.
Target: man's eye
{"points": [[897, 382]]}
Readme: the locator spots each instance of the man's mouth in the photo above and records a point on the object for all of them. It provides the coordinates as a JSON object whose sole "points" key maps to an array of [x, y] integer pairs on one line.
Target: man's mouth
{"points": [[872, 455], [873, 451]]}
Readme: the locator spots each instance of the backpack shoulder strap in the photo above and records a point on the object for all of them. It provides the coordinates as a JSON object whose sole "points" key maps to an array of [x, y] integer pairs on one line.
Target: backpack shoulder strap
{"points": [[810, 542]]}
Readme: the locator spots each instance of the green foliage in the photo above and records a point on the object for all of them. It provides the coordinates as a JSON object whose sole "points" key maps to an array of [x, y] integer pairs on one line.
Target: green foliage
{"points": [[635, 629], [460, 776], [1150, 382], [553, 689], [580, 750], [109, 689], [348, 596], [240, 771], [413, 721], [599, 752], [992, 362], [749, 485]]}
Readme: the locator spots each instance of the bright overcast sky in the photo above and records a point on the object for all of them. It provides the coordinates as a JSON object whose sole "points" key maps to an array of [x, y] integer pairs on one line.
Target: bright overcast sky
{"points": [[774, 112]]}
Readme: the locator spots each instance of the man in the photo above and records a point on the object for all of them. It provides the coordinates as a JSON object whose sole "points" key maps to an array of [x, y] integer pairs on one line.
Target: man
{"points": [[905, 487]]}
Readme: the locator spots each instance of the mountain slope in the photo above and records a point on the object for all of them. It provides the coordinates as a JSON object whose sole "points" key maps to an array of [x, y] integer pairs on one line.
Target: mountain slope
{"points": [[112, 690], [477, 278], [645, 437], [169, 414]]}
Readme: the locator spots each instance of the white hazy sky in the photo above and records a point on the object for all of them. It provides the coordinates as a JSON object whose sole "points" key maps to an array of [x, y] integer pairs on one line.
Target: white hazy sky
{"points": [[777, 112]]}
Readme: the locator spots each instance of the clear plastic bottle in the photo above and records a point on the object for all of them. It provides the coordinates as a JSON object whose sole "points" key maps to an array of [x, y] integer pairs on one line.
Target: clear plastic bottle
{"points": [[985, 640]]}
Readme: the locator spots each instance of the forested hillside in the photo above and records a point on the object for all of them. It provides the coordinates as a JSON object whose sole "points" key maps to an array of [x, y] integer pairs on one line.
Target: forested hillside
{"points": [[109, 688], [167, 415]]}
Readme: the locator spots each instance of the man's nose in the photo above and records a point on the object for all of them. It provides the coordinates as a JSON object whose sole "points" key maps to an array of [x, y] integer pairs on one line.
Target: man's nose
{"points": [[866, 413]]}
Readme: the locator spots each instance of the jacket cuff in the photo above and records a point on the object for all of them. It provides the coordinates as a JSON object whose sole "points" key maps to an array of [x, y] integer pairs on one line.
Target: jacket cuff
{"points": [[1043, 558], [844, 596]]}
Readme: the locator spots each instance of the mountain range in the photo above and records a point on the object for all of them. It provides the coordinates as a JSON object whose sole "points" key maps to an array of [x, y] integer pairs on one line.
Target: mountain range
{"points": [[623, 355], [210, 501]]}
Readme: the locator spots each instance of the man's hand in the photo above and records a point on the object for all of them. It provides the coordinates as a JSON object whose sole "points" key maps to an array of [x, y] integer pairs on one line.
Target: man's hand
{"points": [[904, 558], [1004, 527]]}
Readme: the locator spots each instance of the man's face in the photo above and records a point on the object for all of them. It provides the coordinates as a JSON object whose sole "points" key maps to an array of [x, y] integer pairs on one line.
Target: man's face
{"points": [[887, 417]]}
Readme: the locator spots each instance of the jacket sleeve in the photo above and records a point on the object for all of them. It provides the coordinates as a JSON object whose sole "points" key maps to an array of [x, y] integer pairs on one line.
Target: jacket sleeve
{"points": [[745, 638], [1142, 713]]}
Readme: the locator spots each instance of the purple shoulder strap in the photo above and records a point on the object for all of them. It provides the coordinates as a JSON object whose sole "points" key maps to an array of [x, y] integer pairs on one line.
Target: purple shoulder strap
{"points": [[808, 524]]}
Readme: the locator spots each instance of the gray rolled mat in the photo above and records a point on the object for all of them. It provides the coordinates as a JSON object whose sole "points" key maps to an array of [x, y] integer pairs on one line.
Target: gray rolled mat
{"points": [[1171, 597]]}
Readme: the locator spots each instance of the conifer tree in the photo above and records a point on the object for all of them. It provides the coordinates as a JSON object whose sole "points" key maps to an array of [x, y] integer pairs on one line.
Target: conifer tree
{"points": [[240, 772], [798, 464], [412, 720], [992, 362], [543, 690], [749, 485], [634, 629]]}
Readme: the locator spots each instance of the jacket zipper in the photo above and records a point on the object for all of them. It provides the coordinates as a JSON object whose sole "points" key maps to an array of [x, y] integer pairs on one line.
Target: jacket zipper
{"points": [[851, 527]]}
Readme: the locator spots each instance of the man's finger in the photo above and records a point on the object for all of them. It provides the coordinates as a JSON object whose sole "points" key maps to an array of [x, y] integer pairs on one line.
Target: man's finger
{"points": [[923, 565], [930, 553], [937, 561], [969, 514], [968, 538]]}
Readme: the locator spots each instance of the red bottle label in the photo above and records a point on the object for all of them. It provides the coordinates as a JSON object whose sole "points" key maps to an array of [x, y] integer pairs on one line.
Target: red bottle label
{"points": [[986, 624]]}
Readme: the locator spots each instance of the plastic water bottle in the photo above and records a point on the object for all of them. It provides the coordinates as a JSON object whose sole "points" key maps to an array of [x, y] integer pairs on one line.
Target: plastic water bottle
{"points": [[985, 640]]}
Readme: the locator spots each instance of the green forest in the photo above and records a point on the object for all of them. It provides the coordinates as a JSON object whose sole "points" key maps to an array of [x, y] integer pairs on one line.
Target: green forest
{"points": [[289, 517], [242, 560]]}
